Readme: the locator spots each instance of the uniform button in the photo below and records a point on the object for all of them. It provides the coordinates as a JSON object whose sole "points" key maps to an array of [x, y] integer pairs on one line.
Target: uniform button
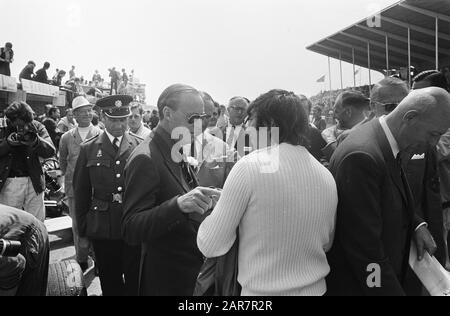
{"points": [[28, 157], [117, 162], [95, 208], [117, 176], [98, 165], [119, 189]]}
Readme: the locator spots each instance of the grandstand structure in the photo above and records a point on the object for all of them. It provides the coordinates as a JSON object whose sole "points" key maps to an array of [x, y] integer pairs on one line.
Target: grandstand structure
{"points": [[410, 33]]}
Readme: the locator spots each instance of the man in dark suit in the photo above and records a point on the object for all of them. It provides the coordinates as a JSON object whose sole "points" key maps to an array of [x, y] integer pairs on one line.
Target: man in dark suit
{"points": [[98, 184], [162, 206], [376, 219], [350, 110], [423, 176]]}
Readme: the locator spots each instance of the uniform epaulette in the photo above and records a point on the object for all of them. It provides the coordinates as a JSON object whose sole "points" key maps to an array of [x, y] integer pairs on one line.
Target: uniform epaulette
{"points": [[91, 139]]}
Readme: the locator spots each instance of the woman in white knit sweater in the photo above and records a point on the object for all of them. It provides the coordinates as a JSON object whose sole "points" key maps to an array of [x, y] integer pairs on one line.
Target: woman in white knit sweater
{"points": [[284, 203]]}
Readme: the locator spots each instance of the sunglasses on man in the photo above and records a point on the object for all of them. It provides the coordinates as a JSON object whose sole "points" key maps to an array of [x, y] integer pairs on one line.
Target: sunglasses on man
{"points": [[388, 107], [191, 118]]}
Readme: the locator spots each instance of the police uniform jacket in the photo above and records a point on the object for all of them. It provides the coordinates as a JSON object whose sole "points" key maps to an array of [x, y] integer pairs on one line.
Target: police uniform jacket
{"points": [[98, 184]]}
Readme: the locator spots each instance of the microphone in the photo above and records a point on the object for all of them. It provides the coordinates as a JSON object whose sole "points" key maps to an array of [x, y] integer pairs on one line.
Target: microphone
{"points": [[9, 248]]}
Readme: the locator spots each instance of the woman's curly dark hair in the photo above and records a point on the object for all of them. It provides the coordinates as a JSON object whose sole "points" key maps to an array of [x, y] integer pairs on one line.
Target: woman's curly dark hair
{"points": [[282, 109], [19, 110]]}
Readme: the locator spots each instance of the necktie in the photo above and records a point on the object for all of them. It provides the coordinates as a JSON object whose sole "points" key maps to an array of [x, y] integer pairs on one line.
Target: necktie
{"points": [[193, 151], [116, 144], [230, 139], [186, 171]]}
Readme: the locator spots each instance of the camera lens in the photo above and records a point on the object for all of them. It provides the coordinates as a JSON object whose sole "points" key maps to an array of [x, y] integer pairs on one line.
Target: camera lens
{"points": [[9, 248]]}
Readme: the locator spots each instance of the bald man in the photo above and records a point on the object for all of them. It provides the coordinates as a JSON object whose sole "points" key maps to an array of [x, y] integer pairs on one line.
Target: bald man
{"points": [[376, 220], [163, 205]]}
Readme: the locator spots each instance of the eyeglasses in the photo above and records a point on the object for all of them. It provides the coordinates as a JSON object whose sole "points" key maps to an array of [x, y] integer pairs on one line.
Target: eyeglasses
{"points": [[388, 107]]}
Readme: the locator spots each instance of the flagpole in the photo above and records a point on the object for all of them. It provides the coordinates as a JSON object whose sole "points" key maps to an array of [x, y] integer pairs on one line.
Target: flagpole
{"points": [[329, 71], [354, 68], [329, 77]]}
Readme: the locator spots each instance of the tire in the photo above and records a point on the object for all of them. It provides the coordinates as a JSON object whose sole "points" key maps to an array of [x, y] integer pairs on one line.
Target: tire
{"points": [[66, 279]]}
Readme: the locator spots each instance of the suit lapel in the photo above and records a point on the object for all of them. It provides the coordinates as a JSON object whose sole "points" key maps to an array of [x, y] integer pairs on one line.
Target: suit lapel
{"points": [[125, 146], [91, 133], [395, 171], [166, 152], [76, 136], [106, 146]]}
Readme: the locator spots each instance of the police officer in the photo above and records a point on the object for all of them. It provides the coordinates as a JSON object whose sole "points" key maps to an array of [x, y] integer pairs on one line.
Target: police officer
{"points": [[98, 187]]}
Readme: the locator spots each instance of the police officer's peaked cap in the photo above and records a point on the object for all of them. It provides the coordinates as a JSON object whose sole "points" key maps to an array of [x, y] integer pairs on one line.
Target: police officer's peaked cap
{"points": [[116, 106]]}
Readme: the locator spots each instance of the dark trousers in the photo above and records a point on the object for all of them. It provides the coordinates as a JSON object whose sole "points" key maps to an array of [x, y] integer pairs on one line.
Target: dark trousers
{"points": [[118, 266], [4, 69], [113, 87]]}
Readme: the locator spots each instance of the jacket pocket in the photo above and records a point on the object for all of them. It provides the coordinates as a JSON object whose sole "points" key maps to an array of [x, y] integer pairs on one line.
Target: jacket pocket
{"points": [[99, 171], [98, 224], [98, 163]]}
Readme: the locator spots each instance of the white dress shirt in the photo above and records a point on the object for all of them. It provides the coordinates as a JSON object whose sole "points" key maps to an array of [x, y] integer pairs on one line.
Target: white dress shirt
{"points": [[391, 139], [111, 138], [237, 132]]}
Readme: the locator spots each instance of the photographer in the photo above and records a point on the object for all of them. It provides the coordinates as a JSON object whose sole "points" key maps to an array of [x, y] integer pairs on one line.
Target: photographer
{"points": [[22, 182]]}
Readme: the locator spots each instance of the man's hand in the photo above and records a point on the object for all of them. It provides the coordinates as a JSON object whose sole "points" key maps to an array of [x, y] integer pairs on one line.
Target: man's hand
{"points": [[29, 140], [199, 200], [424, 242], [13, 140]]}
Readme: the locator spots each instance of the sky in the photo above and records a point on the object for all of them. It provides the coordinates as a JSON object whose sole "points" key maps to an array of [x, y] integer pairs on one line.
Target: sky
{"points": [[225, 47]]}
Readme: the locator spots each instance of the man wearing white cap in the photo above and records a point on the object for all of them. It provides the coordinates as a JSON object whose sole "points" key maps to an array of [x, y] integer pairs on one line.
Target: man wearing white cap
{"points": [[69, 152]]}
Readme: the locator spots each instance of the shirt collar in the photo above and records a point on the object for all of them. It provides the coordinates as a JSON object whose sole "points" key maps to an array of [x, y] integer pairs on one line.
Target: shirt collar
{"points": [[140, 128], [391, 139], [111, 138]]}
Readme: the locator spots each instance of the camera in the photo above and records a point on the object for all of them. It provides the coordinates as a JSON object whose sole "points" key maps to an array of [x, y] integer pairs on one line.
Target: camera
{"points": [[9, 248], [25, 133], [20, 126]]}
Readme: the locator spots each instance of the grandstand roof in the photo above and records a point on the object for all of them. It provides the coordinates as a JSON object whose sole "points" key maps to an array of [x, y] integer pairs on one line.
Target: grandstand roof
{"points": [[418, 15]]}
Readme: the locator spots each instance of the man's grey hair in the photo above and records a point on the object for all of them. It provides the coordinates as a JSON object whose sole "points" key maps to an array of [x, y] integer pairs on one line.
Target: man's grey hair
{"points": [[386, 83]]}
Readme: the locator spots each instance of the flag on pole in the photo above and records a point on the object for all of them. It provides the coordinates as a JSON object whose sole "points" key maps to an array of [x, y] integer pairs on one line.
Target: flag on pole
{"points": [[321, 79]]}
